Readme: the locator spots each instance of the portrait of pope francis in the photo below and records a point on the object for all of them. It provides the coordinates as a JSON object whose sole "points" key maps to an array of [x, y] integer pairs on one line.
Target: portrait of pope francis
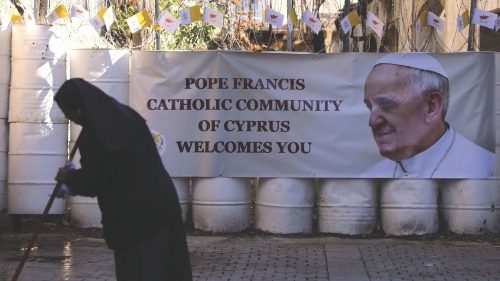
{"points": [[408, 95]]}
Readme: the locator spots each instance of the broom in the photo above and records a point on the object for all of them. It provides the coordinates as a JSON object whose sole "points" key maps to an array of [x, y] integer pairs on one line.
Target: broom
{"points": [[42, 219]]}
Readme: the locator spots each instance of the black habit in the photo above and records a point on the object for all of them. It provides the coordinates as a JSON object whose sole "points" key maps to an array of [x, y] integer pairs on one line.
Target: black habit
{"points": [[121, 166]]}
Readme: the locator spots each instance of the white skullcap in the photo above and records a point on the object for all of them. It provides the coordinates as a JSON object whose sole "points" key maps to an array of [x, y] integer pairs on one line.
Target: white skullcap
{"points": [[421, 61]]}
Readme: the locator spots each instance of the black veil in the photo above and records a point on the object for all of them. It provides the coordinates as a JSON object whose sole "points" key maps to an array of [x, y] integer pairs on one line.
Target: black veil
{"points": [[114, 125]]}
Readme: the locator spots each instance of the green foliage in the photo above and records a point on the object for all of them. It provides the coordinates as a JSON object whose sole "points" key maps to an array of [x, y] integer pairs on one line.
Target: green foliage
{"points": [[194, 36], [120, 35]]}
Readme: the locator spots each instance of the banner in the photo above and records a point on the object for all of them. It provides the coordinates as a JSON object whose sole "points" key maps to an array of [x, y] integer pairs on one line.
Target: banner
{"points": [[239, 114]]}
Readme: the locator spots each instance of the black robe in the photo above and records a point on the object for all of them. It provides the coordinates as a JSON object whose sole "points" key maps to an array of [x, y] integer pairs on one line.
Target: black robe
{"points": [[121, 166]]}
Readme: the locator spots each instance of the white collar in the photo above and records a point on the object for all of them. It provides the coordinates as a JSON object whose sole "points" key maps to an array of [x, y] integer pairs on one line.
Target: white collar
{"points": [[425, 163]]}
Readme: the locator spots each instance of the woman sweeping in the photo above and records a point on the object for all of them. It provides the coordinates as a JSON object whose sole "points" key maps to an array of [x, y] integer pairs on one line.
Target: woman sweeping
{"points": [[120, 164]]}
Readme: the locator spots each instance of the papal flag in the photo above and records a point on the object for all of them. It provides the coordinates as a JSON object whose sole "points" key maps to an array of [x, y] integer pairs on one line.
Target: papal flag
{"points": [[29, 18], [97, 21], [109, 18], [435, 21], [6, 21], [213, 17], [420, 23], [190, 14], [313, 22], [168, 22], [373, 22], [273, 17], [292, 17], [77, 11], [349, 21], [463, 21], [138, 21], [484, 18], [59, 13]]}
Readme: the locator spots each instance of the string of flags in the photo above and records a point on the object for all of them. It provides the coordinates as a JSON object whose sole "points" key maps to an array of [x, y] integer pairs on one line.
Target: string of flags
{"points": [[167, 21]]}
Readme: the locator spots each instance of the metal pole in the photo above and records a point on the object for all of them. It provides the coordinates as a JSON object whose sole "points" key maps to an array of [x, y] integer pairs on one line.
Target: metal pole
{"points": [[345, 41], [289, 6], [157, 14], [470, 41]]}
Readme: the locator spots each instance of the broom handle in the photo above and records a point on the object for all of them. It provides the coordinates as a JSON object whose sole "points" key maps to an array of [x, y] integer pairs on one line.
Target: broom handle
{"points": [[39, 225]]}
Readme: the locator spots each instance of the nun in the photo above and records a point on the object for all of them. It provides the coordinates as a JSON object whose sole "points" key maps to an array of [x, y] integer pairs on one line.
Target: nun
{"points": [[120, 165]]}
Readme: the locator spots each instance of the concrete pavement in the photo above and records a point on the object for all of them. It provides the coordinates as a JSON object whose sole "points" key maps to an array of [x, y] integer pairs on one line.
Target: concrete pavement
{"points": [[63, 253]]}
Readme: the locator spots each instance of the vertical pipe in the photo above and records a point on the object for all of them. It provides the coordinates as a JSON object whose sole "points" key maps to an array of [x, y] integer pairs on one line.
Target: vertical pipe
{"points": [[345, 40], [157, 14], [289, 6], [470, 42]]}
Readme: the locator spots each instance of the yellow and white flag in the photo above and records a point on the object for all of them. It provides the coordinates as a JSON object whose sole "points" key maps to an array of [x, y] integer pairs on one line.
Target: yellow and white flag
{"points": [[484, 18], [463, 21], [168, 22], [435, 21], [313, 22], [97, 21], [213, 17], [138, 21], [292, 17], [373, 22], [109, 18], [420, 23], [274, 17], [349, 21], [29, 18], [190, 14], [59, 13], [77, 11], [6, 22]]}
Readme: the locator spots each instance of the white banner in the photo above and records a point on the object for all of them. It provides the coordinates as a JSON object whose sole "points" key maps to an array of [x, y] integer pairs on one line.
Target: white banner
{"points": [[239, 114]]}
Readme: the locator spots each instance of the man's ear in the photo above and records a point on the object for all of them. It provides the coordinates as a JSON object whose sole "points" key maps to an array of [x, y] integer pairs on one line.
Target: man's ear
{"points": [[435, 104]]}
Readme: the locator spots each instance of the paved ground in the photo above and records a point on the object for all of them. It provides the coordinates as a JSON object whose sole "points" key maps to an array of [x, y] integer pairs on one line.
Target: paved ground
{"points": [[63, 254]]}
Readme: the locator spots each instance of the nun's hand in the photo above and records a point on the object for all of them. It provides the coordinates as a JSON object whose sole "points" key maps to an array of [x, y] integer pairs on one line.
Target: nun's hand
{"points": [[63, 191], [63, 172]]}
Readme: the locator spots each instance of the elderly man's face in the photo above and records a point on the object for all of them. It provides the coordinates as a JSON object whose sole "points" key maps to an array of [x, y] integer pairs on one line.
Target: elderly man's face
{"points": [[398, 113]]}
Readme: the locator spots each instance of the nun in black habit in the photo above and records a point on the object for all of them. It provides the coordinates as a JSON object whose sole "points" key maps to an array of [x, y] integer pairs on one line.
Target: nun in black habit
{"points": [[120, 164]]}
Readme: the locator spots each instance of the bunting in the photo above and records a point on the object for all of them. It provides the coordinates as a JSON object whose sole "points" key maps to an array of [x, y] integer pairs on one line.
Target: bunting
{"points": [[484, 18], [463, 21], [349, 21], [168, 21], [138, 21], [213, 17]]}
